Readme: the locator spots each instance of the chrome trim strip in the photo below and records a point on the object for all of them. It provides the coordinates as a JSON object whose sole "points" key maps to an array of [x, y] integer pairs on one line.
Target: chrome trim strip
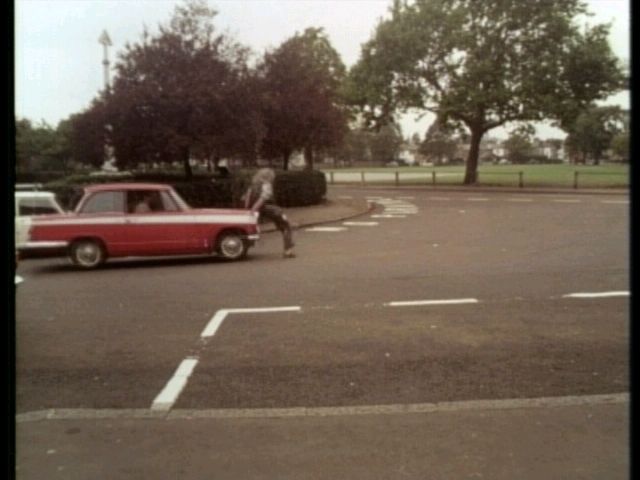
{"points": [[41, 245]]}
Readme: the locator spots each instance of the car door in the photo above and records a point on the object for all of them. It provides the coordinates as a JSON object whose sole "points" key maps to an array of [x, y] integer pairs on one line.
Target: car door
{"points": [[101, 215], [160, 228]]}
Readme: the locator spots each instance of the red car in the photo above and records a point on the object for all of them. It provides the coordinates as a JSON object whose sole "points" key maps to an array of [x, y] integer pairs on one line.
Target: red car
{"points": [[140, 219]]}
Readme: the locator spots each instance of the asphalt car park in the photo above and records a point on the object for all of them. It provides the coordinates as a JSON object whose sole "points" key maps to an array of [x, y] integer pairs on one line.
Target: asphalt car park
{"points": [[379, 312]]}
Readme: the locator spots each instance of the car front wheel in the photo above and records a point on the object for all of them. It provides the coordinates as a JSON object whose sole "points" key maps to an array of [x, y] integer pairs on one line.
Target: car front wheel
{"points": [[87, 254], [232, 246]]}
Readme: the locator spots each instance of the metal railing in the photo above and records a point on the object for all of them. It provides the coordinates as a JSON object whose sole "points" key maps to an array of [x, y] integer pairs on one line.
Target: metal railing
{"points": [[431, 178]]}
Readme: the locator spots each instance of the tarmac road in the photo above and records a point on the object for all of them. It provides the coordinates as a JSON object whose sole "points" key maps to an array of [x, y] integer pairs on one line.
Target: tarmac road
{"points": [[433, 298]]}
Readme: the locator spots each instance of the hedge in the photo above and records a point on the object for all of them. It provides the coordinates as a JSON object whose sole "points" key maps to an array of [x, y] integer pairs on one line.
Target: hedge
{"points": [[292, 188]]}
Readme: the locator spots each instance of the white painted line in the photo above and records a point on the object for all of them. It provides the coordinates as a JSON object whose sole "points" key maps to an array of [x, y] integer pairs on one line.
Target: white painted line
{"points": [[455, 406], [520, 200], [398, 409], [170, 393], [361, 224], [415, 303], [566, 200], [477, 199], [294, 308], [626, 202], [406, 198], [388, 216], [213, 325], [621, 293], [18, 279], [439, 198], [325, 229], [215, 322]]}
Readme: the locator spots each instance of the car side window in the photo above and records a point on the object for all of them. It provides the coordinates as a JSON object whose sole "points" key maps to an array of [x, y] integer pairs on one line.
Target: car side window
{"points": [[168, 203], [145, 201], [105, 202], [36, 206]]}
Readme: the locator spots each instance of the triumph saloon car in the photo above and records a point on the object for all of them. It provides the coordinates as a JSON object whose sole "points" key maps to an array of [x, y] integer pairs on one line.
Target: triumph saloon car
{"points": [[140, 219]]}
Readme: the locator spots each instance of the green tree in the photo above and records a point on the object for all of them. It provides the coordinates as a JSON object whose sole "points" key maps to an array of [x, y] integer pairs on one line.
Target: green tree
{"points": [[438, 143], [620, 146], [385, 144], [519, 146], [87, 134], [180, 91], [354, 148], [484, 64], [302, 105], [41, 147], [593, 132]]}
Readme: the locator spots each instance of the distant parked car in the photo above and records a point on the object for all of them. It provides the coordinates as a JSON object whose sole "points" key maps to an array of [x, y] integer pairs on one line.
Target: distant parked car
{"points": [[29, 204], [140, 219]]}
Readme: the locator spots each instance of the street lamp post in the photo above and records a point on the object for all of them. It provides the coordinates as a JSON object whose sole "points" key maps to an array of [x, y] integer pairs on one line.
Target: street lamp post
{"points": [[109, 158], [106, 43]]}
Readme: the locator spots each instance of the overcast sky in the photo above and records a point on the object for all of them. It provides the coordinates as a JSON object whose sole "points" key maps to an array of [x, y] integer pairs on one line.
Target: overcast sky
{"points": [[58, 59]]}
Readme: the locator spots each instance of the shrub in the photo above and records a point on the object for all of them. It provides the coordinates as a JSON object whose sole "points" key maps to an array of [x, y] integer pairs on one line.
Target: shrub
{"points": [[38, 177], [292, 188], [300, 188]]}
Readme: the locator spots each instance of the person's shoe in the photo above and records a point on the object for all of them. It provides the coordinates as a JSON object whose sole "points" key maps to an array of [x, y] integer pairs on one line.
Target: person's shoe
{"points": [[288, 253]]}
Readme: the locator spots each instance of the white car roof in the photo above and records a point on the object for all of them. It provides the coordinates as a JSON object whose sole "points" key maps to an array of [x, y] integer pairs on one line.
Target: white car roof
{"points": [[34, 194]]}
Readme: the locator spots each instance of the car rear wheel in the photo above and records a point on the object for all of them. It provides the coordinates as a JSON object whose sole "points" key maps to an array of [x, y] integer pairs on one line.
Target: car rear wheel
{"points": [[87, 254], [232, 246]]}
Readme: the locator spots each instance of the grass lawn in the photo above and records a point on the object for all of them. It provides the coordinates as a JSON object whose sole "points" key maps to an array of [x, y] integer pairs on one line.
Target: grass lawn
{"points": [[588, 176]]}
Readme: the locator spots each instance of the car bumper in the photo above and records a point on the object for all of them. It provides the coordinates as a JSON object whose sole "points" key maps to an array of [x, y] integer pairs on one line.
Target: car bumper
{"points": [[34, 249]]}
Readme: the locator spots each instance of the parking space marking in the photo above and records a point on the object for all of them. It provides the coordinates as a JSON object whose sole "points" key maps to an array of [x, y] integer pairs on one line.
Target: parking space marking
{"points": [[398, 408], [18, 279], [388, 216], [400, 211], [416, 303], [477, 199], [442, 199], [213, 325], [325, 229], [621, 293], [170, 393], [215, 322], [361, 224], [520, 200], [566, 200], [165, 400]]}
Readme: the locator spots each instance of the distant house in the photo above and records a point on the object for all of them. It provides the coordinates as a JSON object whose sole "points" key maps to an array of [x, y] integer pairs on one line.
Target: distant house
{"points": [[551, 148], [409, 154]]}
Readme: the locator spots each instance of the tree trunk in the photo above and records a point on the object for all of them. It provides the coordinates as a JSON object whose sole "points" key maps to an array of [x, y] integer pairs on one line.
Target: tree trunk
{"points": [[308, 157], [184, 154], [471, 173]]}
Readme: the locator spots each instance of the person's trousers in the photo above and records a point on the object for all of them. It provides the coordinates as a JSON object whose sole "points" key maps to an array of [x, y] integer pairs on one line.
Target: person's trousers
{"points": [[277, 216]]}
